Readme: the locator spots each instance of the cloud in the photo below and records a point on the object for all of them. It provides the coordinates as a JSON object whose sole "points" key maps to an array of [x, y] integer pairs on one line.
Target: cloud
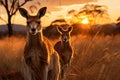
{"points": [[54, 4], [69, 2]]}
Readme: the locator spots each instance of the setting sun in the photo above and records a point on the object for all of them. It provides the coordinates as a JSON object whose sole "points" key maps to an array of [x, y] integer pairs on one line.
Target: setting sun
{"points": [[85, 21]]}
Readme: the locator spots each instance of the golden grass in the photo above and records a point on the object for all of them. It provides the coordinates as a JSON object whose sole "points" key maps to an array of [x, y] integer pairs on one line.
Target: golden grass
{"points": [[95, 58], [11, 50]]}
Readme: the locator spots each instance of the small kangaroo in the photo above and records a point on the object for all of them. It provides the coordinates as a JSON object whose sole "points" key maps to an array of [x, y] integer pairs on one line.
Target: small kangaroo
{"points": [[64, 49], [40, 56]]}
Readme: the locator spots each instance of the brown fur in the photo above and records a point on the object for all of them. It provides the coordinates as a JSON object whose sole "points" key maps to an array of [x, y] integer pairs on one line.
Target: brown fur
{"points": [[39, 55], [10, 75], [64, 49]]}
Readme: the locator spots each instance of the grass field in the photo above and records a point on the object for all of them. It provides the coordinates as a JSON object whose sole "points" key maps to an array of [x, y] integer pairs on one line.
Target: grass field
{"points": [[95, 58]]}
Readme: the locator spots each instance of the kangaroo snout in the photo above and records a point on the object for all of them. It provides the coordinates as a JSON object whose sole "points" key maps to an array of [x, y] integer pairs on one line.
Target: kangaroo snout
{"points": [[33, 31]]}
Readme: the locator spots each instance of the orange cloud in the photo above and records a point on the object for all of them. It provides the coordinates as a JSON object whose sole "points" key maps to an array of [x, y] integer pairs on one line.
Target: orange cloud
{"points": [[53, 4]]}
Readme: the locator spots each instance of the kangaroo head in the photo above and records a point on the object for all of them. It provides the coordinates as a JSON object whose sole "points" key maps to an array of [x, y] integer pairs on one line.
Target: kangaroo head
{"points": [[65, 34], [33, 22]]}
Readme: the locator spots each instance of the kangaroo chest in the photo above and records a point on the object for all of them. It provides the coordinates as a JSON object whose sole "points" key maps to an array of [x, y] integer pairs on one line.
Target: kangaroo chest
{"points": [[65, 55], [36, 54]]}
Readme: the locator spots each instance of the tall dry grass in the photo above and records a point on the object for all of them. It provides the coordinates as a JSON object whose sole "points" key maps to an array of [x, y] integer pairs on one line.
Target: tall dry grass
{"points": [[11, 51], [95, 58]]}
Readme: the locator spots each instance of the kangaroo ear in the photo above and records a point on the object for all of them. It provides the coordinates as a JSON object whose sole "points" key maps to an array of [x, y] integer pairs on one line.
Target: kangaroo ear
{"points": [[60, 30], [23, 12], [70, 29], [42, 12]]}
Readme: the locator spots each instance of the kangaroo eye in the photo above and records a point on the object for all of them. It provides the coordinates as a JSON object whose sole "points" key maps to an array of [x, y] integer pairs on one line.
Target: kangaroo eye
{"points": [[28, 23], [38, 22]]}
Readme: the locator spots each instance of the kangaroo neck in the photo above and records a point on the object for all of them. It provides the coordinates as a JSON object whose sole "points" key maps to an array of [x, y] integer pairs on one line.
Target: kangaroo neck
{"points": [[35, 40], [65, 44]]}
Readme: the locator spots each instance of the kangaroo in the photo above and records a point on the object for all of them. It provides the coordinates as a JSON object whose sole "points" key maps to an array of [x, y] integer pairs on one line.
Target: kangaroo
{"points": [[40, 57], [64, 49]]}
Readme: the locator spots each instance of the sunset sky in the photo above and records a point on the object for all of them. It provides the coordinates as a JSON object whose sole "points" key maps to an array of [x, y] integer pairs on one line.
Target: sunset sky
{"points": [[59, 8]]}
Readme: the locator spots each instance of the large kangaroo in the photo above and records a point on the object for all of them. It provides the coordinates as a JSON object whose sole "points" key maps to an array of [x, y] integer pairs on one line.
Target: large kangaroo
{"points": [[64, 49], [39, 55]]}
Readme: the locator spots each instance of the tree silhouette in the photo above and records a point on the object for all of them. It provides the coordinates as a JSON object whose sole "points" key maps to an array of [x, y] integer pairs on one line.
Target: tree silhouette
{"points": [[96, 12], [118, 22], [93, 12], [11, 7], [118, 19]]}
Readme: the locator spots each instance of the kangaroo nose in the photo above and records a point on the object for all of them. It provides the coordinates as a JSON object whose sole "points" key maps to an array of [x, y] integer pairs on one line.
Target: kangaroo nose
{"points": [[65, 39], [33, 30]]}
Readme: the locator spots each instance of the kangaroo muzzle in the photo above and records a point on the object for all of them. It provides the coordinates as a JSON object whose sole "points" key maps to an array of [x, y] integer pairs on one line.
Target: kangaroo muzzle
{"points": [[33, 31]]}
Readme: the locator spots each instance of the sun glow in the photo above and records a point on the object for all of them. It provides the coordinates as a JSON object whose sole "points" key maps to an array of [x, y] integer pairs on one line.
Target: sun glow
{"points": [[85, 21]]}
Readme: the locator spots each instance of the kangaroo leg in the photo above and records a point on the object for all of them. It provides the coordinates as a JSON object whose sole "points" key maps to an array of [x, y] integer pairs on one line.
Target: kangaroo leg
{"points": [[62, 73], [44, 71], [54, 73]]}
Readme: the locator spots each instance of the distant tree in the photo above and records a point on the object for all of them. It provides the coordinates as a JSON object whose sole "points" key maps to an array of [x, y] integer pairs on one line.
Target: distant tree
{"points": [[118, 22], [118, 19], [58, 22], [11, 7], [95, 12]]}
